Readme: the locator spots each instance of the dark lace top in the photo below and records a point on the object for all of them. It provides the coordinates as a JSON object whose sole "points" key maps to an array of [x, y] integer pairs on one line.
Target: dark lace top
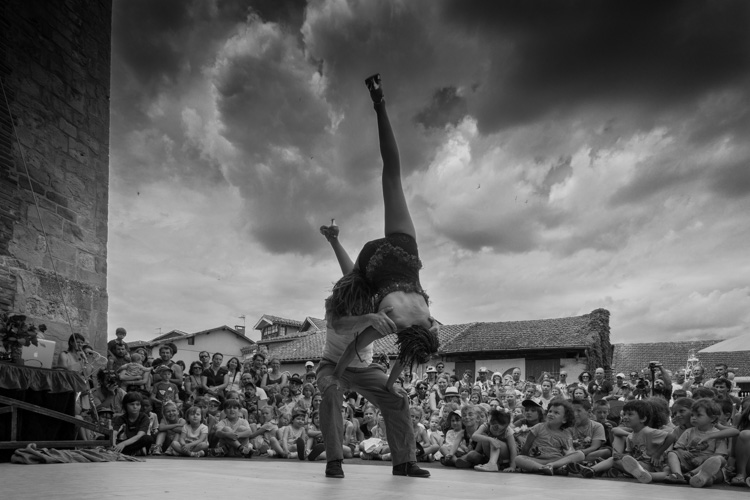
{"points": [[391, 264]]}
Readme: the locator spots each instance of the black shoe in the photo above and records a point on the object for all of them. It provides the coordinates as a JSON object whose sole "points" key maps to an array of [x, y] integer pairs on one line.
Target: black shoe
{"points": [[374, 85], [410, 469], [333, 469]]}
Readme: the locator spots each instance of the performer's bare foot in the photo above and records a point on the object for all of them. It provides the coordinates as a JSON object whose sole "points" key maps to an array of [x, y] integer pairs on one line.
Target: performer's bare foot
{"points": [[374, 85], [330, 232]]}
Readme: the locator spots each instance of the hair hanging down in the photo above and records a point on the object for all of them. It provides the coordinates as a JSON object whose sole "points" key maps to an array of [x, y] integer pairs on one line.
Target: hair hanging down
{"points": [[416, 344], [351, 296]]}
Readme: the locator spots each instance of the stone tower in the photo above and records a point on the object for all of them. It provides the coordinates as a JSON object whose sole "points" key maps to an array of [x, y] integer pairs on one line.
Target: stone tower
{"points": [[55, 72]]}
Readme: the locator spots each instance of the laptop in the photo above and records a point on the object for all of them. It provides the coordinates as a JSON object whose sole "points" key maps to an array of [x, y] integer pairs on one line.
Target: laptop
{"points": [[40, 356]]}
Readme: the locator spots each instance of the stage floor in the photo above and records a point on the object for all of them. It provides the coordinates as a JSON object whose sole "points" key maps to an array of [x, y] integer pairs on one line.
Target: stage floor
{"points": [[185, 478]]}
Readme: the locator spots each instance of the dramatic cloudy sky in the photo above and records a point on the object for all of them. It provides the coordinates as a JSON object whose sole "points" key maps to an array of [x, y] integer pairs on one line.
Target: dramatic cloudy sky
{"points": [[558, 157]]}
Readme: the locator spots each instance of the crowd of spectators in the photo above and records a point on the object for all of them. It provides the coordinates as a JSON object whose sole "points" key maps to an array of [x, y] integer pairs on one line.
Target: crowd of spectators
{"points": [[652, 425]]}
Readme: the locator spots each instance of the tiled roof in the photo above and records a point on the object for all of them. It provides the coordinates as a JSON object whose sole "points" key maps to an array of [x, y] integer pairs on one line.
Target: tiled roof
{"points": [[278, 321], [674, 355], [204, 332], [288, 337], [559, 333], [311, 346]]}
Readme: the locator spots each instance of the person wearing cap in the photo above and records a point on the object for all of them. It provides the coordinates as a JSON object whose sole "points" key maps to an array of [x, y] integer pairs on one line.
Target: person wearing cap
{"points": [[295, 386], [482, 379], [619, 388], [430, 376], [163, 389], [309, 367], [451, 398], [253, 396]]}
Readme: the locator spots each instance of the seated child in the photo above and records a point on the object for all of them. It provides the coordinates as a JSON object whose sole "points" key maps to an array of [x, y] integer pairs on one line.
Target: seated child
{"points": [[550, 445], [588, 435], [471, 418], [153, 429], [169, 428], [532, 415], [267, 431], [132, 427], [211, 408], [435, 433], [641, 443], [453, 438], [425, 448], [315, 442], [193, 440], [233, 432], [698, 453], [496, 441], [294, 437], [681, 411]]}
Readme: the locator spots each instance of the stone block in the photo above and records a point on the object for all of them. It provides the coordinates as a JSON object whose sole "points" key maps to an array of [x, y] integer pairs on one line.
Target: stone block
{"points": [[43, 202], [90, 142], [24, 183], [55, 139], [81, 192], [27, 244], [62, 250], [67, 214], [65, 270], [73, 232], [79, 152], [68, 127], [100, 265], [86, 261], [57, 198], [53, 223], [91, 278], [76, 98]]}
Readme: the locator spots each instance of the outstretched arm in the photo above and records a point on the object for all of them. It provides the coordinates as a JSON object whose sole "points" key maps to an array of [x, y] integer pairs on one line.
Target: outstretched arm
{"points": [[345, 262], [331, 234]]}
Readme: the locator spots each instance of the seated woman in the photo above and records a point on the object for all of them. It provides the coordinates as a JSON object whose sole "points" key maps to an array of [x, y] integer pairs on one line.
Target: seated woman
{"points": [[384, 282]]}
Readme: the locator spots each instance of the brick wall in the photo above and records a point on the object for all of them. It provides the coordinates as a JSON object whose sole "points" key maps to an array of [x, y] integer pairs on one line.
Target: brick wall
{"points": [[55, 70]]}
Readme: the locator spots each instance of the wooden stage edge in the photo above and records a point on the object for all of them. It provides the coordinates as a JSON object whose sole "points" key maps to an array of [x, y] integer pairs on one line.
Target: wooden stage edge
{"points": [[186, 478]]}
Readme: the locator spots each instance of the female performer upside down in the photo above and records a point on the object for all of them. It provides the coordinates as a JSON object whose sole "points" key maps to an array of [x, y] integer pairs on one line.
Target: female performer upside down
{"points": [[385, 278]]}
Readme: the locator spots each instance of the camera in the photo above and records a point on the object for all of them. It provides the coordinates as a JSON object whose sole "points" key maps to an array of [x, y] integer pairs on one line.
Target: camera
{"points": [[652, 365]]}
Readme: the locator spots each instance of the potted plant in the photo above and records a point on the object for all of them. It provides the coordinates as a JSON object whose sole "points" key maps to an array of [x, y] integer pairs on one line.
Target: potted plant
{"points": [[15, 333]]}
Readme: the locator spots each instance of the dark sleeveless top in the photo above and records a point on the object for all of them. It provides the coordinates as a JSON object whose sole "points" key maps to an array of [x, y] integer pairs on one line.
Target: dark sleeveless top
{"points": [[391, 264]]}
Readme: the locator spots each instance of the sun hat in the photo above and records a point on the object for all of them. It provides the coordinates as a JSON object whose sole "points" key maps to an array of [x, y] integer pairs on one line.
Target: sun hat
{"points": [[451, 391]]}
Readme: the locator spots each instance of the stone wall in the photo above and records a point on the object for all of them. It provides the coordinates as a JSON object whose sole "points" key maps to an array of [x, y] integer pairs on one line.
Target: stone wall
{"points": [[55, 71]]}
